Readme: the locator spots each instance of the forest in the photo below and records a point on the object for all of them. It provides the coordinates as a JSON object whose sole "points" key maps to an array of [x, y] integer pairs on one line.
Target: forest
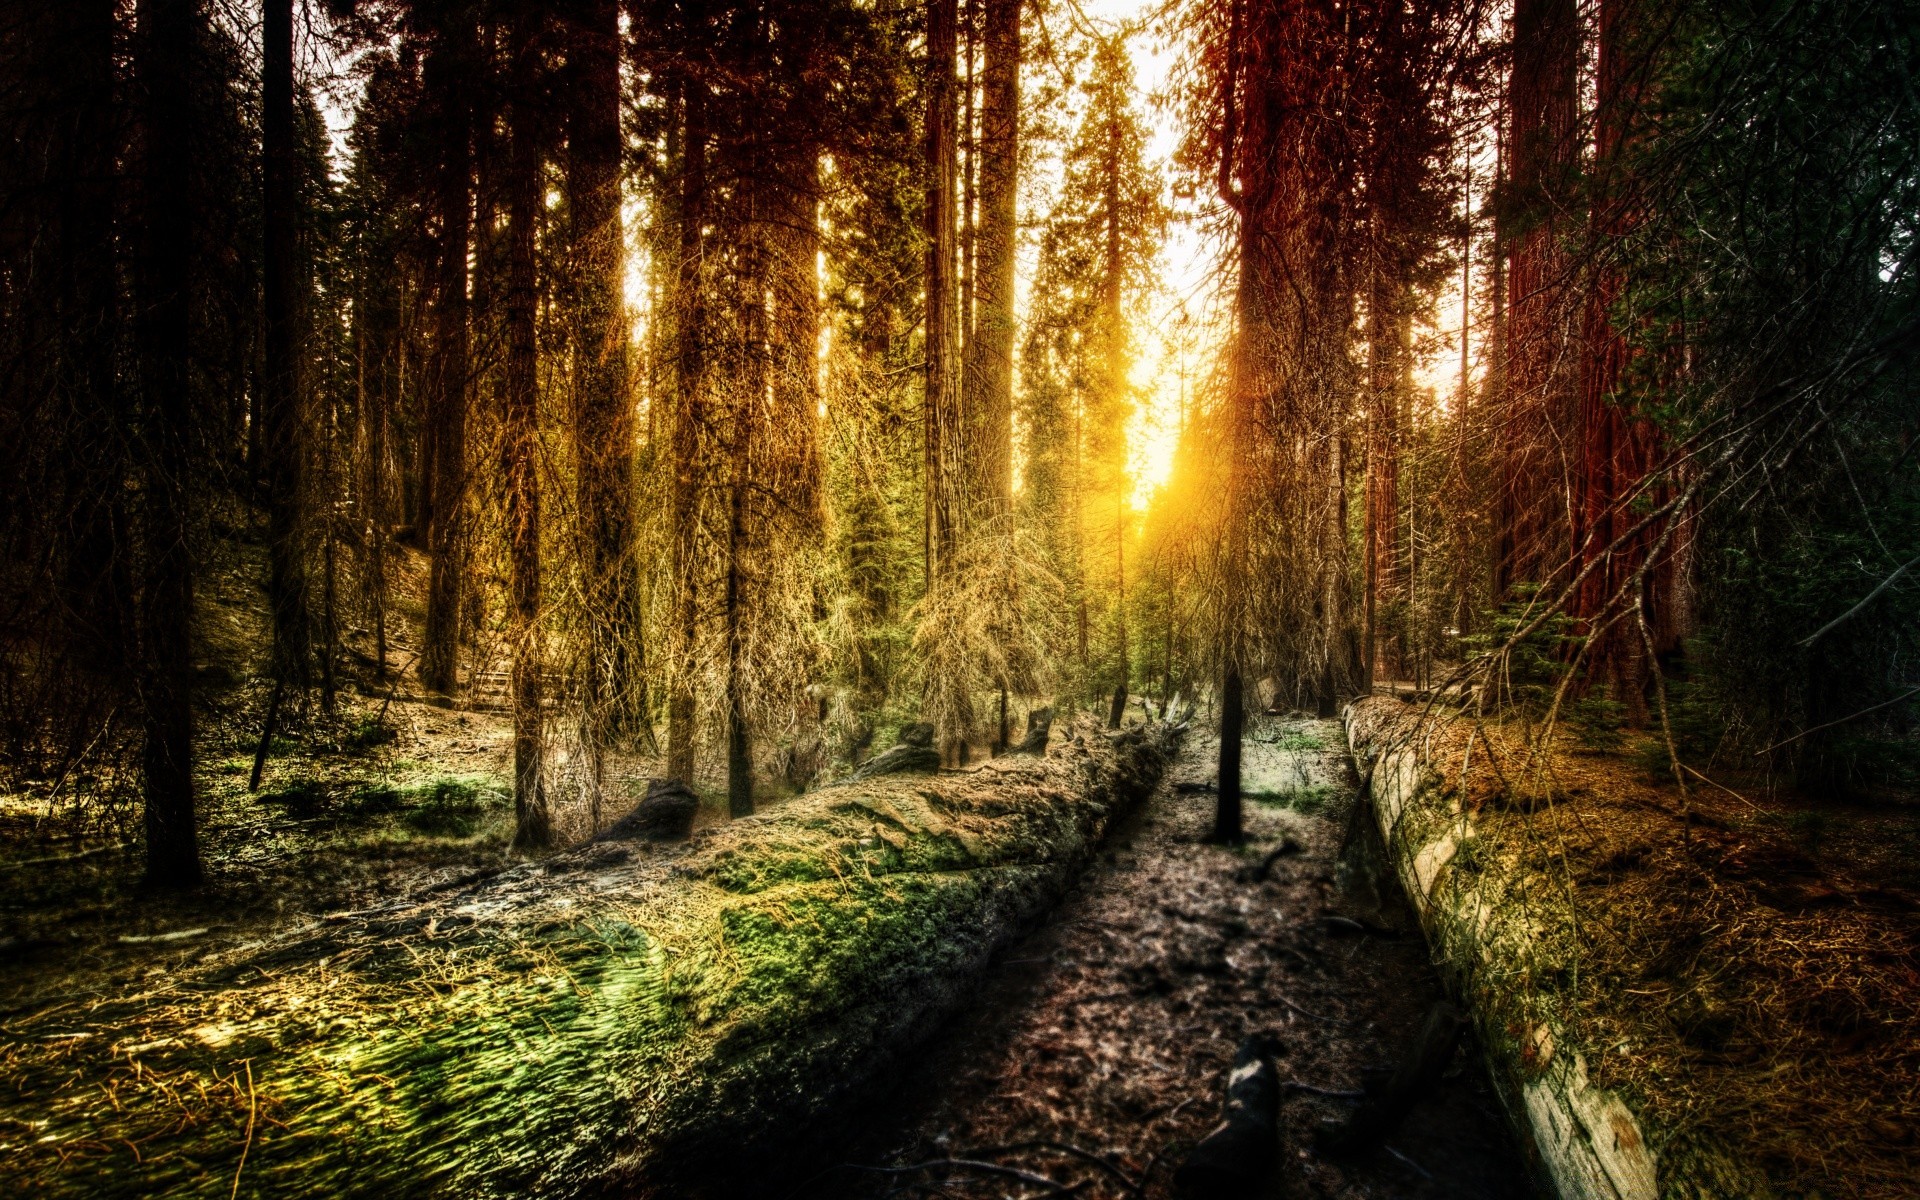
{"points": [[777, 513]]}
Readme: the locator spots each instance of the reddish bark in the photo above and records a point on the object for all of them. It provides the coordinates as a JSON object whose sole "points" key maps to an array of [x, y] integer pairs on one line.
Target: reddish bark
{"points": [[1619, 447], [1533, 520]]}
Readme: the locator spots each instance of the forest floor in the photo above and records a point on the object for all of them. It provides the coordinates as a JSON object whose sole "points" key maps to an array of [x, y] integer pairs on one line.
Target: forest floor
{"points": [[1763, 937], [392, 793], [1112, 1029]]}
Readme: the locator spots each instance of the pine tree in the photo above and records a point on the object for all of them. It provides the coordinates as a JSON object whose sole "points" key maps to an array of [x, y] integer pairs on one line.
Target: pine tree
{"points": [[284, 376], [166, 45], [443, 452], [1097, 258], [519, 431], [602, 427]]}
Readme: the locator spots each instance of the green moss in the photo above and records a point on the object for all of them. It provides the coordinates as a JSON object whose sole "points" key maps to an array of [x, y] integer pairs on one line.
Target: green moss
{"points": [[715, 992], [453, 806], [366, 733], [748, 871], [1299, 740]]}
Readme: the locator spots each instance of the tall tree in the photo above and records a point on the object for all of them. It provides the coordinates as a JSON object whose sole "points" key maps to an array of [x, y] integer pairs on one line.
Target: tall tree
{"points": [[602, 426], [63, 404], [945, 424], [283, 383], [745, 438], [1532, 518], [1286, 167], [690, 354], [1622, 599], [166, 45], [444, 433], [987, 381], [519, 432]]}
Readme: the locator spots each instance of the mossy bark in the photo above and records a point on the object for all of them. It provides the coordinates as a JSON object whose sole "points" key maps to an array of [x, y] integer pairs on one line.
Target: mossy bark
{"points": [[1504, 932], [623, 1017]]}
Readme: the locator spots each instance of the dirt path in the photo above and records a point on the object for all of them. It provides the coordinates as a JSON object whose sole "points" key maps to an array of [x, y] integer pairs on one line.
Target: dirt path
{"points": [[1111, 1030]]}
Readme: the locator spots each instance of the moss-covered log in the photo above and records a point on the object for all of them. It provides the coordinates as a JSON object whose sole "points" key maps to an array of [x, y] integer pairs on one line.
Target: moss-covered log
{"points": [[1513, 921], [627, 1017]]}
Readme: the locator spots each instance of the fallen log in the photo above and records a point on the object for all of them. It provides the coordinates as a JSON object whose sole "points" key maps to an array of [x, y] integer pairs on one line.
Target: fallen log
{"points": [[633, 1017], [1487, 902]]}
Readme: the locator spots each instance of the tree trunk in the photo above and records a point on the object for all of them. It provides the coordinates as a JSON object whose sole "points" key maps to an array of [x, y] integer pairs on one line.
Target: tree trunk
{"points": [[1123, 669], [75, 65], [283, 440], [945, 416], [1388, 360], [1336, 658], [949, 461], [1467, 549], [377, 338], [1531, 515], [519, 441], [794, 342], [689, 393], [1618, 447], [1295, 316], [988, 381], [1233, 726], [1236, 189], [445, 473], [740, 451], [166, 47], [603, 417]]}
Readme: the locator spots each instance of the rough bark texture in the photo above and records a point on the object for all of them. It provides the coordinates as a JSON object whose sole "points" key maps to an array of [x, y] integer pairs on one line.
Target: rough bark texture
{"points": [[282, 386], [1480, 903], [629, 1017], [689, 415], [1541, 371], [989, 368], [519, 449], [1295, 309], [1389, 366], [946, 461], [603, 417], [444, 471], [1619, 447], [746, 438]]}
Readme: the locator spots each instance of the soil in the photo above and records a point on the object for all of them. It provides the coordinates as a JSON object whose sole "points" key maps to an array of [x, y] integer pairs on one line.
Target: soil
{"points": [[1109, 1033]]}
